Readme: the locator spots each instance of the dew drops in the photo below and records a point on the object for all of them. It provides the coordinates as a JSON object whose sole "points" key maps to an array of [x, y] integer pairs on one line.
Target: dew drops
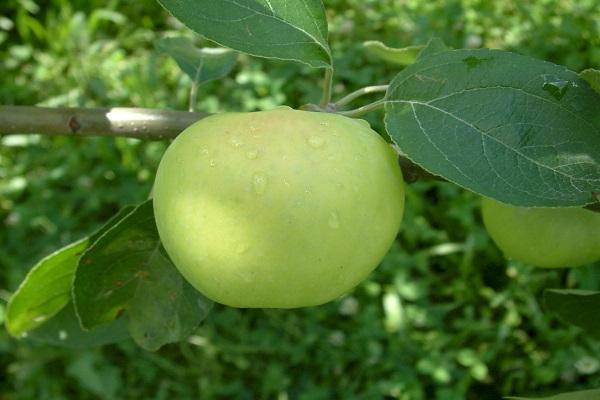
{"points": [[316, 141], [204, 151], [236, 141], [212, 163], [63, 335], [334, 220], [252, 154], [259, 183]]}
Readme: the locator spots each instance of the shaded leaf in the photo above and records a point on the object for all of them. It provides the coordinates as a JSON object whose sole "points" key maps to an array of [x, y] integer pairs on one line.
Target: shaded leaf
{"points": [[401, 56], [47, 287], [577, 307], [127, 269], [64, 330], [592, 76], [520, 130], [201, 65], [283, 29]]}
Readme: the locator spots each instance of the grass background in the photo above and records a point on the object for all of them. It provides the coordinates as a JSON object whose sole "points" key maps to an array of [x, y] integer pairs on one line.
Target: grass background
{"points": [[444, 317]]}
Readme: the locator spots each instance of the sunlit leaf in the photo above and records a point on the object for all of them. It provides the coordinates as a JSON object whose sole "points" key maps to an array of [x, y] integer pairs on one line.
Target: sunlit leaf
{"points": [[520, 130], [401, 56]]}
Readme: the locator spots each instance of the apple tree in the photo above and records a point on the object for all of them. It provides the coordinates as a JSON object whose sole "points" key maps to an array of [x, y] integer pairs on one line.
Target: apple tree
{"points": [[291, 208]]}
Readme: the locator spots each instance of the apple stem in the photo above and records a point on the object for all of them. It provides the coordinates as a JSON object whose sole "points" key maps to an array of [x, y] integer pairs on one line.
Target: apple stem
{"points": [[360, 92], [327, 88], [364, 109]]}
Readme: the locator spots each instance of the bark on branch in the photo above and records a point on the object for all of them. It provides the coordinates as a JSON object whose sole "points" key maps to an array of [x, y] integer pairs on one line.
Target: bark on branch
{"points": [[139, 123]]}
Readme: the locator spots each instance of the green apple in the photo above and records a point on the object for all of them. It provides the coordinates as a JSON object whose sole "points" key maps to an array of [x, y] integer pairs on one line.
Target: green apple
{"points": [[278, 209], [545, 237]]}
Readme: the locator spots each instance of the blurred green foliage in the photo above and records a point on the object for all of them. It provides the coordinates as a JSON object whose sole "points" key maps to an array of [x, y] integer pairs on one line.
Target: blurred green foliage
{"points": [[444, 317]]}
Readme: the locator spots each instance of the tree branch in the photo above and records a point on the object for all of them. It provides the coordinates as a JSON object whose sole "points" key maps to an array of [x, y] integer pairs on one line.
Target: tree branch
{"points": [[142, 123]]}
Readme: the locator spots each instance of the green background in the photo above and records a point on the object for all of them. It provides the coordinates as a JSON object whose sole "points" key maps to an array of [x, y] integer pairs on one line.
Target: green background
{"points": [[444, 317]]}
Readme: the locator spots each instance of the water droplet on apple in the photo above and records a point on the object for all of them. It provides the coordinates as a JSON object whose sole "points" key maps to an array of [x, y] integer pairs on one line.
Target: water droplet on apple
{"points": [[316, 141], [252, 154], [212, 163], [334, 220], [259, 183], [236, 141]]}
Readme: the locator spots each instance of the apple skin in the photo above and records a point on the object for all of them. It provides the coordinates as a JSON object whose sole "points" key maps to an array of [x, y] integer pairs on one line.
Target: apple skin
{"points": [[278, 209], [544, 237]]}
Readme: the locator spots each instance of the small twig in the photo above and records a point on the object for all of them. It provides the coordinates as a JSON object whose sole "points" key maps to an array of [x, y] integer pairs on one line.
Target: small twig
{"points": [[360, 92], [364, 109], [142, 123], [327, 86]]}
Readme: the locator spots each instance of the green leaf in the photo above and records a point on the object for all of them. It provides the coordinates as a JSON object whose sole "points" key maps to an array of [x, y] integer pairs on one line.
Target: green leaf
{"points": [[47, 287], [283, 29], [580, 395], [201, 65], [577, 307], [127, 269], [520, 130], [64, 330], [401, 56], [592, 76], [433, 46]]}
